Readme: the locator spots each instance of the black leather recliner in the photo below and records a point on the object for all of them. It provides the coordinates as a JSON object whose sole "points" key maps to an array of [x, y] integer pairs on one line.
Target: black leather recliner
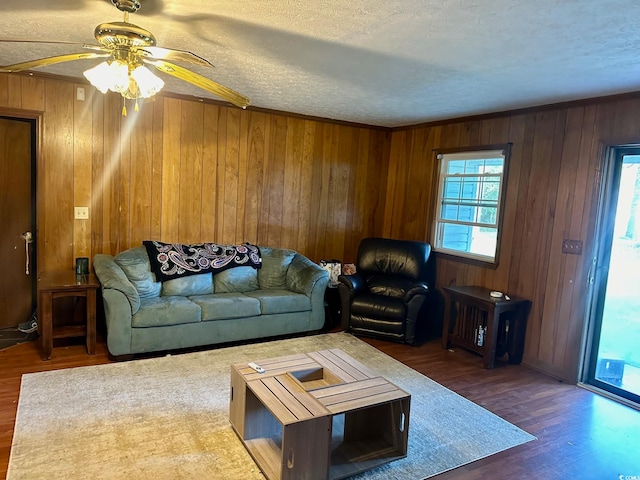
{"points": [[385, 296]]}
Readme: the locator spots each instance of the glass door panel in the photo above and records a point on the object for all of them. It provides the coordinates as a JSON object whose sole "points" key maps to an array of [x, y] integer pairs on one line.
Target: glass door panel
{"points": [[615, 359]]}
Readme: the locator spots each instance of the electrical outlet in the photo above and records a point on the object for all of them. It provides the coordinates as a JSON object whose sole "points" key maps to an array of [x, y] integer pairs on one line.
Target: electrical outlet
{"points": [[81, 213], [573, 247]]}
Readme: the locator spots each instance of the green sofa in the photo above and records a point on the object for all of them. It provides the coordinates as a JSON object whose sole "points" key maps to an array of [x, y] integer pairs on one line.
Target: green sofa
{"points": [[285, 296]]}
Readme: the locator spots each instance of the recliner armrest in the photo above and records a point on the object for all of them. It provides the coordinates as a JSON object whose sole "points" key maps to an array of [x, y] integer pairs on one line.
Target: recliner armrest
{"points": [[420, 288], [355, 283]]}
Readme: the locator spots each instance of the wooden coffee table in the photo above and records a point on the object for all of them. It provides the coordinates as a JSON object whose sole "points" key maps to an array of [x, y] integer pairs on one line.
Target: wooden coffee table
{"points": [[319, 415]]}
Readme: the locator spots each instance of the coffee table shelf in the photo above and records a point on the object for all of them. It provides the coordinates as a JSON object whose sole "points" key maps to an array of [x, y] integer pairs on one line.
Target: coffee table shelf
{"points": [[321, 415]]}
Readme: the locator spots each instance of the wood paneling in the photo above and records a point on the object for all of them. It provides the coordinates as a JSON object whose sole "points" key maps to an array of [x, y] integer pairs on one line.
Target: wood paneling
{"points": [[552, 188], [188, 171]]}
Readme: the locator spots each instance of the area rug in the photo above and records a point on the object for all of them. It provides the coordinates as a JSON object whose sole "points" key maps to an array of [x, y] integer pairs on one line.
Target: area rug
{"points": [[167, 418]]}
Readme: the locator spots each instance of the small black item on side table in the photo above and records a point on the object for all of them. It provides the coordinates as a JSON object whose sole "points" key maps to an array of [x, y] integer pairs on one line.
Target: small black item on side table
{"points": [[487, 325]]}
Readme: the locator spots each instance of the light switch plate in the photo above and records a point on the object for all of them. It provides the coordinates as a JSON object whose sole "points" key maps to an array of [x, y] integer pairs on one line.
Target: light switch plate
{"points": [[81, 213]]}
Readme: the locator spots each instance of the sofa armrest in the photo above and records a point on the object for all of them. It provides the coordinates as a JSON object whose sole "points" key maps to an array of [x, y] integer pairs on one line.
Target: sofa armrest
{"points": [[303, 276], [111, 276], [308, 278], [117, 312]]}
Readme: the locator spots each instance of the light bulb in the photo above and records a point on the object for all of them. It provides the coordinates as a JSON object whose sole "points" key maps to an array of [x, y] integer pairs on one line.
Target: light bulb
{"points": [[99, 76], [119, 72], [148, 83]]}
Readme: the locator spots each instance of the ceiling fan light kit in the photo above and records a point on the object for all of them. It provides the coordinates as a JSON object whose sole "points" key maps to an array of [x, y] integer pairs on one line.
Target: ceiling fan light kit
{"points": [[130, 82], [129, 48]]}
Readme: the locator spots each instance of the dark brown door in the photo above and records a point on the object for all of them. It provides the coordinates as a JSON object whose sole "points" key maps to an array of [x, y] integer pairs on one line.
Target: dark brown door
{"points": [[16, 220]]}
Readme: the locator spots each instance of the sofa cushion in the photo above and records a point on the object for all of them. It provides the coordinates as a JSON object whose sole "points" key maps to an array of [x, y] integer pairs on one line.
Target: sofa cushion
{"points": [[165, 311], [221, 306], [186, 286], [135, 264], [280, 301], [275, 263], [237, 279]]}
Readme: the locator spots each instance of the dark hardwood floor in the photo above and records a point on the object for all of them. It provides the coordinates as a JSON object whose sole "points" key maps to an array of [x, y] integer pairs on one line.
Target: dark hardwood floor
{"points": [[581, 435]]}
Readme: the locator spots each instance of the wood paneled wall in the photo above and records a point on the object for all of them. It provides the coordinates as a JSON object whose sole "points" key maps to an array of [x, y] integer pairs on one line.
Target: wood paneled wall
{"points": [[188, 171], [552, 189]]}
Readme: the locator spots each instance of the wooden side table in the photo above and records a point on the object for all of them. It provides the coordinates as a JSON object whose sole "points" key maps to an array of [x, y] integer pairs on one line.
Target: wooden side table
{"points": [[52, 285], [477, 308]]}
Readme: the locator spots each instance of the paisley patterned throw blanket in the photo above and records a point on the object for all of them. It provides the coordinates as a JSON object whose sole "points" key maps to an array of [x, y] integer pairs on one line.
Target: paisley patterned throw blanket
{"points": [[174, 260]]}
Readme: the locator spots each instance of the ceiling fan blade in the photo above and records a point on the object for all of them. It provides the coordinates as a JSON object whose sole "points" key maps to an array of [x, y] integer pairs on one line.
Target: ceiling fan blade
{"points": [[172, 54], [56, 42], [201, 82], [22, 40], [98, 48], [43, 62]]}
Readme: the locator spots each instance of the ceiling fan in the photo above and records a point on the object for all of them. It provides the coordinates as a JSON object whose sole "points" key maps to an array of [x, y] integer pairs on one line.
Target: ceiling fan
{"points": [[128, 48]]}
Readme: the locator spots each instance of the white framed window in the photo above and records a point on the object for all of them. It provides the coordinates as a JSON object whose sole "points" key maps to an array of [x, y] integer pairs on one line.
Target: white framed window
{"points": [[471, 186]]}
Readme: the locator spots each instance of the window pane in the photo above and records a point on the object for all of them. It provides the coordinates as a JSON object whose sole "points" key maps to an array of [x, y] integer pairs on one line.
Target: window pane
{"points": [[470, 187], [457, 237], [467, 213], [474, 166], [488, 215], [470, 239], [469, 206], [456, 166], [452, 188], [490, 189], [493, 165], [484, 241], [449, 212]]}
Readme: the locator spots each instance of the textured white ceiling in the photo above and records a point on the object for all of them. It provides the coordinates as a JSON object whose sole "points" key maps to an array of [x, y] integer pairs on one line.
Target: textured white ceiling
{"points": [[377, 62]]}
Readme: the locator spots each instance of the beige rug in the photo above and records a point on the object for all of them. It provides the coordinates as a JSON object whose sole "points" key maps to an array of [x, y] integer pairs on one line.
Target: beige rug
{"points": [[167, 418]]}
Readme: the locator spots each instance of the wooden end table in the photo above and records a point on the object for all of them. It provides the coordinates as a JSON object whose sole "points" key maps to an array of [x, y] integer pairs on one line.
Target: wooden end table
{"points": [[477, 308], [318, 416], [58, 284]]}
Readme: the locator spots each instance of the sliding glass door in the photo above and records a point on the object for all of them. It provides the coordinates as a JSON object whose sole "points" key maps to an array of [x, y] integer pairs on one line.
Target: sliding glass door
{"points": [[614, 356]]}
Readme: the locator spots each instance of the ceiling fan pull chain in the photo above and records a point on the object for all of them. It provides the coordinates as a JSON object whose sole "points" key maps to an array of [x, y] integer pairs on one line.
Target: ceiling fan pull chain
{"points": [[136, 106], [124, 107]]}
